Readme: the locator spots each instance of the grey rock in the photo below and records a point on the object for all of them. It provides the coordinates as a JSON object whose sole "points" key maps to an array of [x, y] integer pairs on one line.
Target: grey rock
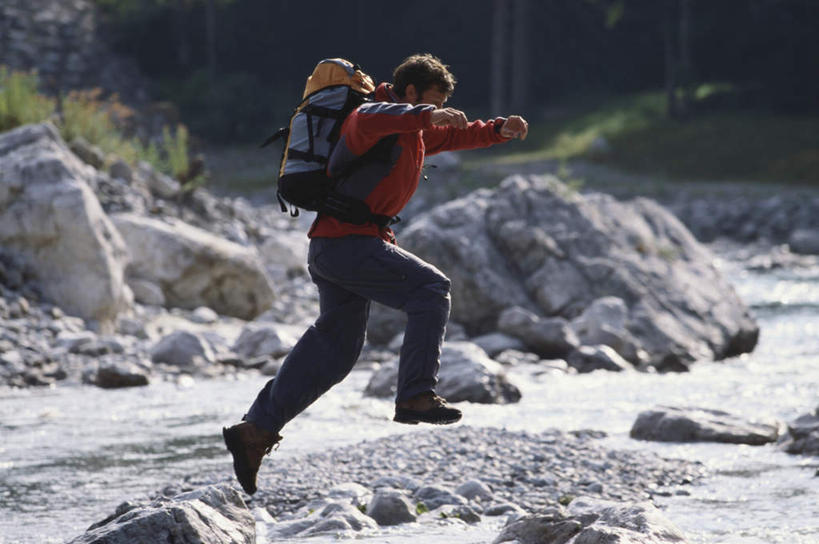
{"points": [[147, 291], [497, 342], [73, 341], [390, 507], [805, 241], [434, 496], [114, 375], [555, 527], [384, 324], [591, 358], [210, 515], [475, 490], [53, 222], [351, 514], [158, 183], [548, 337], [457, 511], [591, 521], [120, 169], [194, 267], [802, 436], [536, 244], [605, 522], [204, 315], [397, 482], [503, 508], [466, 374], [265, 339], [89, 154], [604, 322], [183, 349], [132, 327], [671, 424], [357, 494]]}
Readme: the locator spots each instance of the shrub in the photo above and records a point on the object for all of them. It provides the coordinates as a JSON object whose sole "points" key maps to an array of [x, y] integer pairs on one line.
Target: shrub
{"points": [[20, 103], [85, 114]]}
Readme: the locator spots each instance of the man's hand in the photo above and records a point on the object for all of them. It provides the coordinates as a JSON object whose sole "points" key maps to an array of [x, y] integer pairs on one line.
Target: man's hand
{"points": [[449, 117], [515, 127]]}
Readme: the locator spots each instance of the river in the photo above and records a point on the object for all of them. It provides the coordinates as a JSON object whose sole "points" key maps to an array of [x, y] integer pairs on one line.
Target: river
{"points": [[70, 454]]}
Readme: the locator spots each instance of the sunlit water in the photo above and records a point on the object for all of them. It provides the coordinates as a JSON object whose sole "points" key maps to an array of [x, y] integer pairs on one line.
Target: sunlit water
{"points": [[69, 455]]}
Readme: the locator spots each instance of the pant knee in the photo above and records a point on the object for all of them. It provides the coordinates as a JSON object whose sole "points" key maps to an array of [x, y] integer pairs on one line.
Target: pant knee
{"points": [[432, 297]]}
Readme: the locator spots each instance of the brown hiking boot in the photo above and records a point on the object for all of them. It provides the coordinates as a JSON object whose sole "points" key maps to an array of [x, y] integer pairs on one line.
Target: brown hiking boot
{"points": [[427, 408], [248, 444]]}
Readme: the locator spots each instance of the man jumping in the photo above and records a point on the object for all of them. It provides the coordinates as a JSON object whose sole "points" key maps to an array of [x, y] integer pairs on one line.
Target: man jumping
{"points": [[354, 264]]}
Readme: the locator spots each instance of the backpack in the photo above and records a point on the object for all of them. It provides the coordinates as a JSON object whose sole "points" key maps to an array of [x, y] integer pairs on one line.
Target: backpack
{"points": [[334, 89]]}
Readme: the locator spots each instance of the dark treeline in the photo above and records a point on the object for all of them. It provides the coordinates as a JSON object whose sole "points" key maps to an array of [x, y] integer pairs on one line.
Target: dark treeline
{"points": [[236, 67]]}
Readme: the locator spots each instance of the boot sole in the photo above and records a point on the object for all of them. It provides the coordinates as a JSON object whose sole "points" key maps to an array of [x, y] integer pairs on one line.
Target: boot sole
{"points": [[414, 420], [233, 447]]}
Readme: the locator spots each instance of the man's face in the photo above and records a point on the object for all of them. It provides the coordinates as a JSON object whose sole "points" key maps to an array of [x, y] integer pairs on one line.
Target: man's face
{"points": [[433, 96]]}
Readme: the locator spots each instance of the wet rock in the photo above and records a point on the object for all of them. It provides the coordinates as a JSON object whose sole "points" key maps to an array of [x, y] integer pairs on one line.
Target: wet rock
{"points": [[182, 349], [548, 337], [115, 375], [553, 526], [391, 507], [670, 424], [195, 268], [466, 374], [802, 436], [54, 223], [594, 522], [591, 358], [536, 244], [210, 515]]}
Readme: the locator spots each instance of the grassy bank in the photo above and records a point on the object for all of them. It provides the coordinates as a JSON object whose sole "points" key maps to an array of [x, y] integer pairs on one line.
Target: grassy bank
{"points": [[633, 134], [84, 114]]}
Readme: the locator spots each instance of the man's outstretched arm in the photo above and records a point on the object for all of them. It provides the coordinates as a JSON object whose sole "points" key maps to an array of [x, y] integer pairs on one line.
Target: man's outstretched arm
{"points": [[452, 131]]}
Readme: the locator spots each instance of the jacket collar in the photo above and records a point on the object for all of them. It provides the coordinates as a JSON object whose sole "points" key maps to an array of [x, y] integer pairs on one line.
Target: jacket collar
{"points": [[384, 93]]}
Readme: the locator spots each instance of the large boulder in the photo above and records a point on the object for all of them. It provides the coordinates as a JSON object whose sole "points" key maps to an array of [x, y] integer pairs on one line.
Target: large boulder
{"points": [[669, 424], [593, 521], [50, 218], [209, 515], [536, 244], [195, 268], [466, 374]]}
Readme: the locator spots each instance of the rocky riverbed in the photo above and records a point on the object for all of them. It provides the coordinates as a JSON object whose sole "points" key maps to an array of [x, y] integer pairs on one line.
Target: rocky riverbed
{"points": [[544, 306]]}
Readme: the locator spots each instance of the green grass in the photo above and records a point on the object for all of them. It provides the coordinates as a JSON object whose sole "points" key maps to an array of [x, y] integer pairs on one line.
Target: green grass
{"points": [[711, 145], [84, 114]]}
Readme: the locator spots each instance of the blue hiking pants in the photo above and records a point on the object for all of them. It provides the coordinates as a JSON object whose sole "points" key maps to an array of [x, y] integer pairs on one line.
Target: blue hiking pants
{"points": [[350, 272]]}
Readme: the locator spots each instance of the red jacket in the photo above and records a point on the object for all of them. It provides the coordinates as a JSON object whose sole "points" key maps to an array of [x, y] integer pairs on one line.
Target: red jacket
{"points": [[386, 185]]}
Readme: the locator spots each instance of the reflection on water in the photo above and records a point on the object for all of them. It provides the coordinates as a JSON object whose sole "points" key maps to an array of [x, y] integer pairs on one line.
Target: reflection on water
{"points": [[68, 456]]}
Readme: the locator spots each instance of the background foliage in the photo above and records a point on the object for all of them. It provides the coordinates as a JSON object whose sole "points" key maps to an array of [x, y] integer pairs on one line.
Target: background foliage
{"points": [[237, 67]]}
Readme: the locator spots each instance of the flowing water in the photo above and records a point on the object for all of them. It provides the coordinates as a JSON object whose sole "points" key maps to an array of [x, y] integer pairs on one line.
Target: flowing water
{"points": [[69, 455]]}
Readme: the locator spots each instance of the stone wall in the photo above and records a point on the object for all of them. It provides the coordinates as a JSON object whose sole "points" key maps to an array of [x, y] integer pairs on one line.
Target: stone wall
{"points": [[60, 39]]}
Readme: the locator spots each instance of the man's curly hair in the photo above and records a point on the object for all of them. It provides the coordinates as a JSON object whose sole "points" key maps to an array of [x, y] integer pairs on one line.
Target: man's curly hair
{"points": [[423, 71]]}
